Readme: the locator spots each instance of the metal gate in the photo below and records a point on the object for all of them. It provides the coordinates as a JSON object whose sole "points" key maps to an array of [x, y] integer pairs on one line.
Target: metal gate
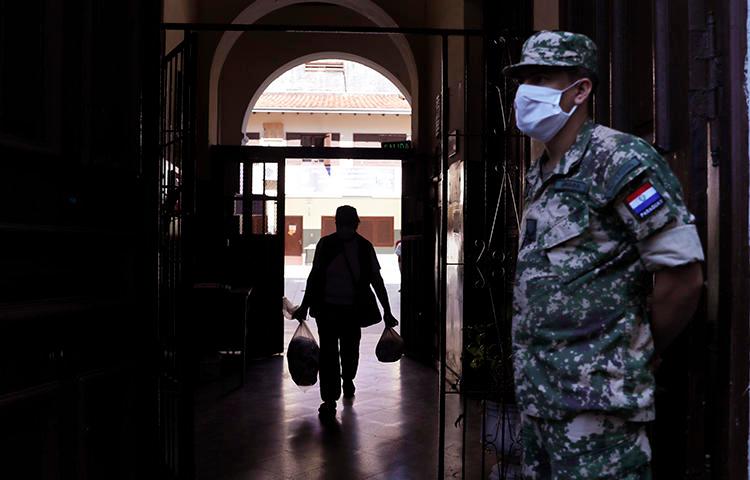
{"points": [[484, 426], [482, 420], [506, 157], [176, 204]]}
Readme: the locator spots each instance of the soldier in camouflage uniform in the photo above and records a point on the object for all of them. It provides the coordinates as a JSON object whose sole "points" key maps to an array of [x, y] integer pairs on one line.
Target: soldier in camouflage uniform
{"points": [[604, 226]]}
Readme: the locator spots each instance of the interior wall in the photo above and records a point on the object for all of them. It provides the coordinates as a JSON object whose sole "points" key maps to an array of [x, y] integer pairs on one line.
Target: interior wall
{"points": [[546, 14], [216, 46], [256, 56], [178, 11]]}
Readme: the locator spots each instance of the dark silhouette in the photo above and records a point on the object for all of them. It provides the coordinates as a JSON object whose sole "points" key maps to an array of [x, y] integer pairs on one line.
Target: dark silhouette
{"points": [[338, 295]]}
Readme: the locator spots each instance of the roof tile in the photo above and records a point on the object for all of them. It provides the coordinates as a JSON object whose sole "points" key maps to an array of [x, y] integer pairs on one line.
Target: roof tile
{"points": [[295, 101]]}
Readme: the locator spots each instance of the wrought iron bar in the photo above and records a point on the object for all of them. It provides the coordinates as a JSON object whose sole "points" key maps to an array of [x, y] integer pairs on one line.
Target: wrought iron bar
{"points": [[443, 245]]}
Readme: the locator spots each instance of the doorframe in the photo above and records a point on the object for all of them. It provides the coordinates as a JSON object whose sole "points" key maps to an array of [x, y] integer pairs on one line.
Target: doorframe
{"points": [[243, 152], [231, 154]]}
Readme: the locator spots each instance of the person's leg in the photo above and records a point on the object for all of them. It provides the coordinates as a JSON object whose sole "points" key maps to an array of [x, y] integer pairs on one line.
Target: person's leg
{"points": [[597, 446], [330, 383], [351, 335], [534, 458]]}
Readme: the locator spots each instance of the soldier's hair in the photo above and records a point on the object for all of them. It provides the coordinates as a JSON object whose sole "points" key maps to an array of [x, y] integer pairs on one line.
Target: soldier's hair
{"points": [[576, 73]]}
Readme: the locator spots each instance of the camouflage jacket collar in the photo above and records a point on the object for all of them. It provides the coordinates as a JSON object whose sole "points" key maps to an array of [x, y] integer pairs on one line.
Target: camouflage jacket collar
{"points": [[571, 158], [576, 151]]}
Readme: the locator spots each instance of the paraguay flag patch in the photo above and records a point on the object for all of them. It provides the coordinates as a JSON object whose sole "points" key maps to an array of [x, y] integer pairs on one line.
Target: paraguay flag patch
{"points": [[644, 201]]}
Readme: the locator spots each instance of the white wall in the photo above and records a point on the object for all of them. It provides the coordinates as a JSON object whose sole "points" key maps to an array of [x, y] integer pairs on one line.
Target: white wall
{"points": [[345, 124], [355, 78]]}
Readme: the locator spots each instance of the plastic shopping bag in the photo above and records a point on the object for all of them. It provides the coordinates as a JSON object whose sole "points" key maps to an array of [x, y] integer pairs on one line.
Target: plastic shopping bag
{"points": [[390, 347], [287, 308], [303, 356]]}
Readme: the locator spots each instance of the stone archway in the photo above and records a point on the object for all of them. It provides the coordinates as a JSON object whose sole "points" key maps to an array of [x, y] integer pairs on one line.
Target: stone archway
{"points": [[261, 8], [318, 56]]}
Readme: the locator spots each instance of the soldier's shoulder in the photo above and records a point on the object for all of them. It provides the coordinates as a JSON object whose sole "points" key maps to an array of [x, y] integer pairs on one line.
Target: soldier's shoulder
{"points": [[620, 157], [614, 145]]}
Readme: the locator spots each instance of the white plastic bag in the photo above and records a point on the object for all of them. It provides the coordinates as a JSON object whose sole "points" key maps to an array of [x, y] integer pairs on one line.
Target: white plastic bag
{"points": [[287, 308], [303, 356], [390, 347]]}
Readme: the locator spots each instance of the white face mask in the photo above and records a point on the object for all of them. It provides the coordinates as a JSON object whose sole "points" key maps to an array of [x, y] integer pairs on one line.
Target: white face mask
{"points": [[538, 111]]}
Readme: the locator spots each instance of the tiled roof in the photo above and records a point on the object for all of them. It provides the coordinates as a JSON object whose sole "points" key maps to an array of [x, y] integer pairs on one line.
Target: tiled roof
{"points": [[332, 102]]}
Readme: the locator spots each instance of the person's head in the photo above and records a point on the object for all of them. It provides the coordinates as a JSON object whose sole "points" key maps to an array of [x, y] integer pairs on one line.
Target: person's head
{"points": [[347, 221], [578, 84], [557, 69]]}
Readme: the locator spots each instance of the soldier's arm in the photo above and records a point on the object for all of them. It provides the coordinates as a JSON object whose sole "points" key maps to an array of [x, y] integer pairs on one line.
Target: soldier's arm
{"points": [[675, 298], [650, 203]]}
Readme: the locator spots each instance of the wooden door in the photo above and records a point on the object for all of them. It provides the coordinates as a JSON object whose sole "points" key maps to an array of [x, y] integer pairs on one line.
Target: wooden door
{"points": [[293, 235], [253, 243]]}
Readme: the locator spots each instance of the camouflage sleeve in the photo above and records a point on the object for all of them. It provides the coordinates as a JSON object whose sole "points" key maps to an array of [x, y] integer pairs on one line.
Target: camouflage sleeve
{"points": [[648, 199]]}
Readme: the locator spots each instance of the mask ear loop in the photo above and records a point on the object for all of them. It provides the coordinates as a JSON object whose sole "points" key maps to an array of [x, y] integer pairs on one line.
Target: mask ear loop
{"points": [[575, 107], [577, 82], [571, 85]]}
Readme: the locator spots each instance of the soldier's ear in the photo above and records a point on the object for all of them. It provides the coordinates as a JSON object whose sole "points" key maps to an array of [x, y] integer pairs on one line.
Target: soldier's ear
{"points": [[583, 91]]}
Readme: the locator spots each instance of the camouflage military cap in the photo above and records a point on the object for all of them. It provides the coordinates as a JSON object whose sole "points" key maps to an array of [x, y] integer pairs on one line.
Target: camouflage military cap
{"points": [[555, 49]]}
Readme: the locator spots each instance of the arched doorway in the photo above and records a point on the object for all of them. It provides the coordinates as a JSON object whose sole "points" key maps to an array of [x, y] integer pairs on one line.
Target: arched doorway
{"points": [[319, 103], [368, 9], [332, 137], [324, 100]]}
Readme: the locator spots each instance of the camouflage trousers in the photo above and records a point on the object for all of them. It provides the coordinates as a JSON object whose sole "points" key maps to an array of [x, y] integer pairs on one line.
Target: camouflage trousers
{"points": [[587, 446]]}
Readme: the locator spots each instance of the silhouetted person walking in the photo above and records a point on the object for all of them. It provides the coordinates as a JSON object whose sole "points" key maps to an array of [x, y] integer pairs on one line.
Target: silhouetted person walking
{"points": [[344, 267]]}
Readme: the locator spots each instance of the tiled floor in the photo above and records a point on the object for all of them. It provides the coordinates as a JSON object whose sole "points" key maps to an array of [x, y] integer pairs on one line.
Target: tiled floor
{"points": [[270, 429]]}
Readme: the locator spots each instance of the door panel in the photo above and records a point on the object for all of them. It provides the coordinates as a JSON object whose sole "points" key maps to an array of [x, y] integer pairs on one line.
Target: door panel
{"points": [[254, 237], [293, 227]]}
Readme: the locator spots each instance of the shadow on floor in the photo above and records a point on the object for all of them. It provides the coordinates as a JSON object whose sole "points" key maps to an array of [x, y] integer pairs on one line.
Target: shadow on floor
{"points": [[269, 429]]}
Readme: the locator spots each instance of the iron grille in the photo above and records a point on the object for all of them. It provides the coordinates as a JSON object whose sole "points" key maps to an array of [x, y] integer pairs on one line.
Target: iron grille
{"points": [[176, 185]]}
